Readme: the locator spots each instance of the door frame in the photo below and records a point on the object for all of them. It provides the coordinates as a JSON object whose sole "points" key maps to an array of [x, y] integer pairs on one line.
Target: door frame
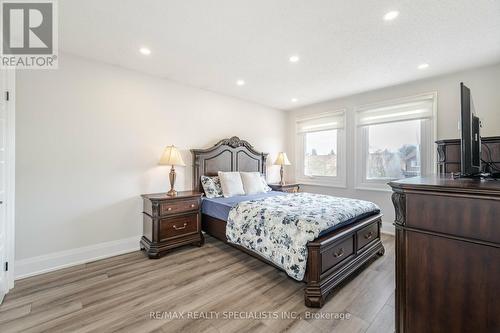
{"points": [[10, 174]]}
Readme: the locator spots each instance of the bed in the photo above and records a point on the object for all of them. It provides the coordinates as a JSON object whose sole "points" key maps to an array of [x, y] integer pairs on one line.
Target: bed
{"points": [[332, 257]]}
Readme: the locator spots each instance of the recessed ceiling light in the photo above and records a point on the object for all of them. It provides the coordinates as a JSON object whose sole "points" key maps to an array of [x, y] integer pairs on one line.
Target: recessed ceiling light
{"points": [[240, 83], [389, 16], [423, 66], [294, 58], [145, 51], [294, 100]]}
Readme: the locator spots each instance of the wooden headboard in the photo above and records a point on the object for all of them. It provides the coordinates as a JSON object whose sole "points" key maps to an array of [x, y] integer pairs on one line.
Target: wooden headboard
{"points": [[230, 154]]}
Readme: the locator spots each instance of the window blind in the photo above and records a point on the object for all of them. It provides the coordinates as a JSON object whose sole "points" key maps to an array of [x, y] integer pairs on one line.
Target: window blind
{"points": [[323, 122], [417, 109]]}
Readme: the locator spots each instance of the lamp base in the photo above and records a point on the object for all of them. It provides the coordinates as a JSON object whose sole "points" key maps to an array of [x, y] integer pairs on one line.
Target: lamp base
{"points": [[172, 176]]}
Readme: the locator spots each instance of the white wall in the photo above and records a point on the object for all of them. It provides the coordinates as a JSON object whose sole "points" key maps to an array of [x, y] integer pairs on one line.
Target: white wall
{"points": [[484, 83], [89, 137]]}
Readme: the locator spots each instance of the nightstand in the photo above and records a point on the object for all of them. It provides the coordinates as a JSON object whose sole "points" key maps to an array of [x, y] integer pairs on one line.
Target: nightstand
{"points": [[290, 188], [170, 222]]}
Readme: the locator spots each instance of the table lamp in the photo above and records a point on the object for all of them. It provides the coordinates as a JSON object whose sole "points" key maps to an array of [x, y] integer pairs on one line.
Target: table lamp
{"points": [[172, 156], [281, 160]]}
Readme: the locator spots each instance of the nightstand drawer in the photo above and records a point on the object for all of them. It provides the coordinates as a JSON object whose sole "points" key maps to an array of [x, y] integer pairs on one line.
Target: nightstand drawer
{"points": [[181, 225], [289, 188], [167, 208]]}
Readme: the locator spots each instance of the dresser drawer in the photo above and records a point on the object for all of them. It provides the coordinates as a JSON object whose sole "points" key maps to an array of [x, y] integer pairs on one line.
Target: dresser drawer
{"points": [[174, 207], [337, 253], [462, 216], [367, 235], [177, 226]]}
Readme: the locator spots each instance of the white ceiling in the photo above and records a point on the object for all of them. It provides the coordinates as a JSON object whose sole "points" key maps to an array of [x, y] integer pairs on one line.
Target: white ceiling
{"points": [[345, 47]]}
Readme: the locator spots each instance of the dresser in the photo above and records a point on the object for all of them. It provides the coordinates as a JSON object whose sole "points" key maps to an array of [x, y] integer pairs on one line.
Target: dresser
{"points": [[447, 254], [170, 222]]}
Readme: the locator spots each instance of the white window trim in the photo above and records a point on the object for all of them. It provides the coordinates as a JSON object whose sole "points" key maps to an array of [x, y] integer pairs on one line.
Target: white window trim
{"points": [[427, 137], [340, 180]]}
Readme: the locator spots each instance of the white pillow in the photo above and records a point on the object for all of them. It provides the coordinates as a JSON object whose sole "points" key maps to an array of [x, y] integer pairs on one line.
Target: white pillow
{"points": [[231, 184], [252, 183]]}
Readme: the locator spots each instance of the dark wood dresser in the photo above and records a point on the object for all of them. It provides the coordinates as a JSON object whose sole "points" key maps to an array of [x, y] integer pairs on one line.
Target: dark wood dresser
{"points": [[447, 254], [449, 153], [169, 222]]}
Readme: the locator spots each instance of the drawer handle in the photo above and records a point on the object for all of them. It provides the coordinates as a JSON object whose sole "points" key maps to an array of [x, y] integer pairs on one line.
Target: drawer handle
{"points": [[339, 253], [369, 235], [192, 205], [169, 209], [180, 228]]}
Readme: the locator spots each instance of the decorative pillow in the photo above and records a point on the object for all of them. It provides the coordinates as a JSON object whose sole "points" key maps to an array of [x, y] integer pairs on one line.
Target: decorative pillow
{"points": [[231, 184], [264, 182], [252, 182], [211, 186]]}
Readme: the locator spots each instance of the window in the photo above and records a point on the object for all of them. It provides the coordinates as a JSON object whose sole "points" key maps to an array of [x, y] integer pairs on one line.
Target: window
{"points": [[393, 150], [321, 153], [396, 141], [320, 149]]}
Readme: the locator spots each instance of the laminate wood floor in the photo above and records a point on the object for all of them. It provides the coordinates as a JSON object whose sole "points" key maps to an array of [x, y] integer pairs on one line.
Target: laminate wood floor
{"points": [[130, 293]]}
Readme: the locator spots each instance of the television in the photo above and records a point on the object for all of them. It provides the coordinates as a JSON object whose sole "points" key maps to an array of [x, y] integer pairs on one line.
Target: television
{"points": [[470, 137]]}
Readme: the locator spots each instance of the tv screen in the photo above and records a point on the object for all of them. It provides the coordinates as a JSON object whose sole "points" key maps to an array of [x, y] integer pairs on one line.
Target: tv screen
{"points": [[470, 138]]}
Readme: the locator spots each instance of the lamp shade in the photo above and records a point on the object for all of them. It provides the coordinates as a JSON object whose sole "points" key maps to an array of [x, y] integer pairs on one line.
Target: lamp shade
{"points": [[282, 159], [171, 156]]}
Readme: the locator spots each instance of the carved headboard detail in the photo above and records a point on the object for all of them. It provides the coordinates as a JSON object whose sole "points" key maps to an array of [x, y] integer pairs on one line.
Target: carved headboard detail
{"points": [[230, 154]]}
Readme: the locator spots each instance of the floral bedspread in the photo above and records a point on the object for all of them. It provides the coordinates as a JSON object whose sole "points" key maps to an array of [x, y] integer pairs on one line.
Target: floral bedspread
{"points": [[278, 228]]}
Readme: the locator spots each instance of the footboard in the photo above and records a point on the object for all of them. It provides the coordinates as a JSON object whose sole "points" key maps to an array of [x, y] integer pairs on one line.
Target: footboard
{"points": [[334, 257]]}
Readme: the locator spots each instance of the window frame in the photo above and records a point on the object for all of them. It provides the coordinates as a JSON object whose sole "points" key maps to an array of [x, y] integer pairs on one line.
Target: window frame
{"points": [[329, 181], [428, 132]]}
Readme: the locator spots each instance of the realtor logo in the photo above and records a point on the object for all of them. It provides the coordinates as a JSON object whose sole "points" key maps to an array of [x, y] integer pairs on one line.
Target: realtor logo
{"points": [[29, 34]]}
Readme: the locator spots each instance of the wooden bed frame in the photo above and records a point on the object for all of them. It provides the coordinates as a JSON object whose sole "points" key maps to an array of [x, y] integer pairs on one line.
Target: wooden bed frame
{"points": [[331, 258]]}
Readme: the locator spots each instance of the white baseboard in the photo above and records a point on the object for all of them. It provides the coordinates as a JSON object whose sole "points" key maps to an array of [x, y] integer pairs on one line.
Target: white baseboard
{"points": [[54, 261], [387, 229]]}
